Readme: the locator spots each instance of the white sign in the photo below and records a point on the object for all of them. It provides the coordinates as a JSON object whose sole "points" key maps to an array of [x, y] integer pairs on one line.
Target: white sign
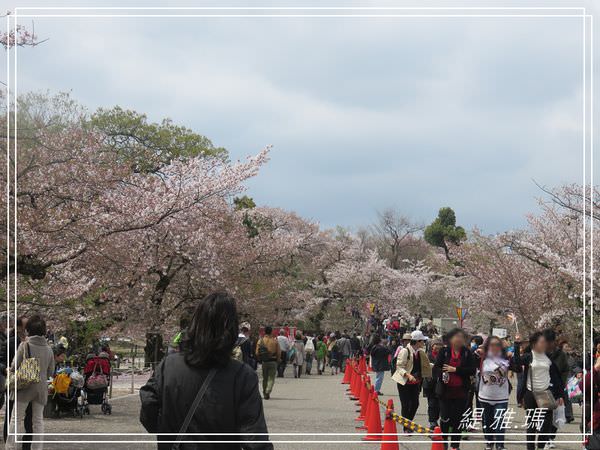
{"points": [[500, 332]]}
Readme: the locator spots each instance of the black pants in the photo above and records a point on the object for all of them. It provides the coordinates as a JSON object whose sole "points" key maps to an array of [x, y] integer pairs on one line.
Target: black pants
{"points": [[532, 431], [433, 408], [452, 411], [28, 425], [409, 399], [281, 365]]}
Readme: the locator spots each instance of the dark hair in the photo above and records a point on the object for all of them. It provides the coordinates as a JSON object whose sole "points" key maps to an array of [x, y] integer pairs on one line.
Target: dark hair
{"points": [[535, 337], [212, 332], [59, 350], [36, 326], [477, 339], [376, 339], [268, 329], [549, 335], [453, 332], [488, 342]]}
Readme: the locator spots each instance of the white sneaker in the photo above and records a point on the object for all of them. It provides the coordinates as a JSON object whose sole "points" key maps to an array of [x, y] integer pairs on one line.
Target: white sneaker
{"points": [[549, 444]]}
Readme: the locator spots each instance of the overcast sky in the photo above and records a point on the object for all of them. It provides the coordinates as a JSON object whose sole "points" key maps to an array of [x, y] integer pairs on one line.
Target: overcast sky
{"points": [[362, 113]]}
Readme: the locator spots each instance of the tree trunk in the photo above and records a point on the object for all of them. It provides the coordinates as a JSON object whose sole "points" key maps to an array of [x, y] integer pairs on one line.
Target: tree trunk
{"points": [[154, 351]]}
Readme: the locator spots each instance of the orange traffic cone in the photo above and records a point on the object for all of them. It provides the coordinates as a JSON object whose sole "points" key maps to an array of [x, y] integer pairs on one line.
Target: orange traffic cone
{"points": [[363, 400], [356, 391], [374, 425], [389, 440], [360, 380], [346, 379], [368, 407], [352, 380], [438, 439], [369, 368], [362, 365], [359, 391], [355, 388]]}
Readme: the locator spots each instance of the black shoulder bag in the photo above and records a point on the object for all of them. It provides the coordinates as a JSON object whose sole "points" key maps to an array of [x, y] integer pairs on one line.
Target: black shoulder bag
{"points": [[193, 408]]}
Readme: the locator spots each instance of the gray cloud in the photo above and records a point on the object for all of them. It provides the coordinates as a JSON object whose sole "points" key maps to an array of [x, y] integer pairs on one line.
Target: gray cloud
{"points": [[363, 113]]}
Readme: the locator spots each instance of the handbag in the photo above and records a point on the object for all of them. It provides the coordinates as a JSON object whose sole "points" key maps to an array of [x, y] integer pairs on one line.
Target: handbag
{"points": [[193, 408], [543, 399], [97, 380], [26, 374]]}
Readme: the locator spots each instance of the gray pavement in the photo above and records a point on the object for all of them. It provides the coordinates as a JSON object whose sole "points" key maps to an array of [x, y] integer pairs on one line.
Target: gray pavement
{"points": [[313, 405]]}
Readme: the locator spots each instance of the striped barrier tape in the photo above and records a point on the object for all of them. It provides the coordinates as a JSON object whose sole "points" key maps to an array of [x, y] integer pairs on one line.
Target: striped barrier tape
{"points": [[405, 422], [398, 418]]}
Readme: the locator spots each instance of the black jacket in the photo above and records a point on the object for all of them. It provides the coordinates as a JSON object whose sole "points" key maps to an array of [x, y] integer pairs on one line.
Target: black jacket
{"points": [[467, 368], [7, 349], [557, 386], [379, 358], [4, 361], [232, 404]]}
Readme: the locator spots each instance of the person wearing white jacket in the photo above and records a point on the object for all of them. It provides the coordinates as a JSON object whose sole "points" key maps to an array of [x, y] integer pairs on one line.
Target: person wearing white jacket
{"points": [[412, 366]]}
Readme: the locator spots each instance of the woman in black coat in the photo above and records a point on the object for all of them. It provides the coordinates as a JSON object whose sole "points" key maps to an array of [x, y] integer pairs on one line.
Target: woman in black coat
{"points": [[452, 372], [539, 374], [379, 362], [204, 386]]}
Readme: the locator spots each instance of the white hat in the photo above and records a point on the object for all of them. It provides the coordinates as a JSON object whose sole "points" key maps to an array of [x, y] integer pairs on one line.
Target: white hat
{"points": [[418, 335]]}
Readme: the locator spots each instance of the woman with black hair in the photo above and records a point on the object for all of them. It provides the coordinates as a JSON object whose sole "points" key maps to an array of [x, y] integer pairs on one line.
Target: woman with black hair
{"points": [[453, 369], [494, 387], [202, 389], [542, 390]]}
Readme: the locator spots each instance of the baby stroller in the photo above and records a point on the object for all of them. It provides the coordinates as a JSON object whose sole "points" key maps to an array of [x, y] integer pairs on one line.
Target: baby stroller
{"points": [[97, 379], [67, 399]]}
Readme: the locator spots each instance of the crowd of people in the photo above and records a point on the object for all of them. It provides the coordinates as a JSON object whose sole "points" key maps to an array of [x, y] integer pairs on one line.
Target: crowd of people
{"points": [[330, 351], [210, 383], [468, 378]]}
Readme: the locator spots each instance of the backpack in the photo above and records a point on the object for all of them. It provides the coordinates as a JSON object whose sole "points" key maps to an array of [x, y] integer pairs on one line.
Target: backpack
{"points": [[61, 383], [310, 346], [262, 353], [291, 353]]}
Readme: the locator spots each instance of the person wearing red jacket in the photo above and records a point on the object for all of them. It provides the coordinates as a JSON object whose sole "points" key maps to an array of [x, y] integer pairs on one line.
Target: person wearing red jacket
{"points": [[592, 395]]}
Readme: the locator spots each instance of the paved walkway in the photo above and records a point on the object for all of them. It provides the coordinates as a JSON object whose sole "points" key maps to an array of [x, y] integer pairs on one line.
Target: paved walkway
{"points": [[313, 404]]}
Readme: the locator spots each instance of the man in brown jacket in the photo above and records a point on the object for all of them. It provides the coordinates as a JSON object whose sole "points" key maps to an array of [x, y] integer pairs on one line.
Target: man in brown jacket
{"points": [[269, 354]]}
